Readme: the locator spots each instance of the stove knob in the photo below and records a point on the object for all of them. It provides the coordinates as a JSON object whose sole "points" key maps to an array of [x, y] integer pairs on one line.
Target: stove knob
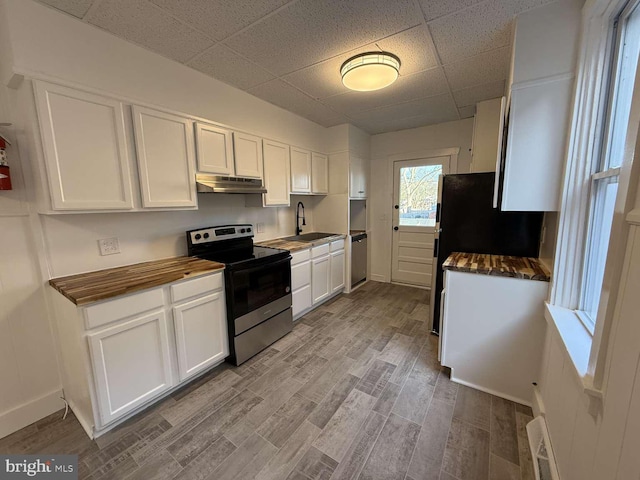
{"points": [[242, 230], [249, 230], [198, 236], [206, 235]]}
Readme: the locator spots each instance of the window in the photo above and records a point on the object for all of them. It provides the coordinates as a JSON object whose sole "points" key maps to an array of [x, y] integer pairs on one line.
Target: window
{"points": [[419, 195], [606, 166]]}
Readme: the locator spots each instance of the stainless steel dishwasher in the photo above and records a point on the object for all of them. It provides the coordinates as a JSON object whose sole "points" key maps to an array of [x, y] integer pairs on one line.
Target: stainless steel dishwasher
{"points": [[358, 258]]}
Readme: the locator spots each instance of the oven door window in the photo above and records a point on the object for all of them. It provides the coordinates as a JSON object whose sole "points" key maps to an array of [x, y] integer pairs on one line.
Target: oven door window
{"points": [[258, 286]]}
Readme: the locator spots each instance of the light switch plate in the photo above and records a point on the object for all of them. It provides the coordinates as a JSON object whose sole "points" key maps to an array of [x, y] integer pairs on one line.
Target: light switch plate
{"points": [[260, 227], [109, 246]]}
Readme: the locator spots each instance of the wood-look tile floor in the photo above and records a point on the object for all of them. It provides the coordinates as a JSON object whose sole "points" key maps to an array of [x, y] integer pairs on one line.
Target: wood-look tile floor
{"points": [[354, 392]]}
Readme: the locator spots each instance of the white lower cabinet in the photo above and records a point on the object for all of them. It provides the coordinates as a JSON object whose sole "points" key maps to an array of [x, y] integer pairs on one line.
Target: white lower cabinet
{"points": [[301, 282], [121, 354], [201, 334], [131, 364], [337, 271], [320, 278]]}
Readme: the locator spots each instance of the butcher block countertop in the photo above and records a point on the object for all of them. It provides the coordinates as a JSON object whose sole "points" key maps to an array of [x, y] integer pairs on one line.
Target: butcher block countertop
{"points": [[527, 268], [295, 245], [91, 287]]}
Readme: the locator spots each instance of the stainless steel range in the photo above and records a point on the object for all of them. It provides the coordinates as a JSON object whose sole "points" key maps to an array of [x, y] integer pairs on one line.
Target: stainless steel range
{"points": [[257, 283]]}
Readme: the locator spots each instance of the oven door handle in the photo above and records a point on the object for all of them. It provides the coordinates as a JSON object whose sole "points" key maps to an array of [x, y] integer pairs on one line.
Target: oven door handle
{"points": [[261, 266]]}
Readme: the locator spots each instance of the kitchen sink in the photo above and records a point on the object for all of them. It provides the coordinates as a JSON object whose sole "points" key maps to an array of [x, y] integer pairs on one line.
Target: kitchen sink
{"points": [[309, 237]]}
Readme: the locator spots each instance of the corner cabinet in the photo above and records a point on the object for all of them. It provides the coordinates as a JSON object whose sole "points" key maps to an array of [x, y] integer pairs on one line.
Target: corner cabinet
{"points": [[85, 149], [166, 158], [276, 158]]}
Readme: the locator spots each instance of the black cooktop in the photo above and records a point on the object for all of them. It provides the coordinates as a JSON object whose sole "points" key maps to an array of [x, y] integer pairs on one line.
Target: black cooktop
{"points": [[245, 256]]}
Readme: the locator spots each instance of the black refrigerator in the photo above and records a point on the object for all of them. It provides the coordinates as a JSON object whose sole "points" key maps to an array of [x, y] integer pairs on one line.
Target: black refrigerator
{"points": [[467, 222]]}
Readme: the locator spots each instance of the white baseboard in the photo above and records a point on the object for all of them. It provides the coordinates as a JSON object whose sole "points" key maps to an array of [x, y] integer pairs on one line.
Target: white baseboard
{"points": [[492, 392], [31, 412], [379, 278]]}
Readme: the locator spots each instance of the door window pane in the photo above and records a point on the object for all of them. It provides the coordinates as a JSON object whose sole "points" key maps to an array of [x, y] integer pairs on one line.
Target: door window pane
{"points": [[419, 195]]}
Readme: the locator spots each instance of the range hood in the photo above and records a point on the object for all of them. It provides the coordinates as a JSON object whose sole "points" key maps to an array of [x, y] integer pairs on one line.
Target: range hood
{"points": [[219, 184]]}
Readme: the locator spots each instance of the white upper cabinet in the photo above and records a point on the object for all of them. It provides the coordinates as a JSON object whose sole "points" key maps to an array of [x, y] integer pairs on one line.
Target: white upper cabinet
{"points": [[319, 173], [85, 149], [166, 158], [247, 151], [357, 178], [276, 173], [214, 150], [300, 170], [541, 95], [487, 135]]}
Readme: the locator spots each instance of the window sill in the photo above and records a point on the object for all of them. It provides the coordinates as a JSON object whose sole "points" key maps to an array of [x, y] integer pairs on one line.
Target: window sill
{"points": [[576, 340]]}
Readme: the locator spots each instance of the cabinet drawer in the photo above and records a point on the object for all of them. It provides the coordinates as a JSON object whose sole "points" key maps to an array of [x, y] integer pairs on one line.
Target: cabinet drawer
{"points": [[300, 256], [195, 287], [337, 245], [107, 312], [300, 275], [320, 250]]}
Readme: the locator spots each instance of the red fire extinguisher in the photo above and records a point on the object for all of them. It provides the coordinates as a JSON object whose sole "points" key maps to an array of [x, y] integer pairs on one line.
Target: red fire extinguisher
{"points": [[5, 174]]}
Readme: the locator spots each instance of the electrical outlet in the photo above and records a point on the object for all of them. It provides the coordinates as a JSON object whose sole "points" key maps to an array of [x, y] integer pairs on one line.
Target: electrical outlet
{"points": [[260, 227], [109, 246]]}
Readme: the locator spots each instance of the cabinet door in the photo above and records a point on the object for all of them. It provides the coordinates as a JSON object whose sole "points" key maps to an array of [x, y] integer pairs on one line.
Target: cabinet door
{"points": [[536, 144], [214, 150], [85, 149], [357, 178], [201, 334], [247, 151], [131, 364], [301, 300], [337, 271], [276, 173], [320, 286], [166, 159], [300, 170], [319, 173]]}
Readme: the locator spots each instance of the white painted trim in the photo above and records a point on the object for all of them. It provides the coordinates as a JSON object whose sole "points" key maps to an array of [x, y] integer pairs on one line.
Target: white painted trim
{"points": [[543, 81], [376, 277], [538, 404], [490, 391], [452, 152], [633, 217], [30, 412]]}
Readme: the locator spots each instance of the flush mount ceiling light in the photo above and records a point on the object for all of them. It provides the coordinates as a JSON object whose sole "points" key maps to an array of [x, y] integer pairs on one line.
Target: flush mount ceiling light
{"points": [[370, 71]]}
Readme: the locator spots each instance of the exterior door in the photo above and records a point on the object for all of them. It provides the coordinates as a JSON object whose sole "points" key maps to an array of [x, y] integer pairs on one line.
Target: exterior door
{"points": [[414, 218]]}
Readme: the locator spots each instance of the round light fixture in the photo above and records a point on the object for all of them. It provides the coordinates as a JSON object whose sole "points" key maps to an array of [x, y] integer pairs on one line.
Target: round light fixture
{"points": [[370, 71]]}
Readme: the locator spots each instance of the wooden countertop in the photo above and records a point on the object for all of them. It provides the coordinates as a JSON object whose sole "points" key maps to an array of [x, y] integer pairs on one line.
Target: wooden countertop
{"points": [[295, 245], [91, 287], [527, 268]]}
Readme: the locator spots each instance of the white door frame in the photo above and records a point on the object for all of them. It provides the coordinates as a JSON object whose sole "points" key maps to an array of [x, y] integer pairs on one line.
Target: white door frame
{"points": [[452, 153]]}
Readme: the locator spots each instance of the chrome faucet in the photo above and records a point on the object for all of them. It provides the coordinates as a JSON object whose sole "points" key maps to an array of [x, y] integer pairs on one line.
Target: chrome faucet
{"points": [[304, 223]]}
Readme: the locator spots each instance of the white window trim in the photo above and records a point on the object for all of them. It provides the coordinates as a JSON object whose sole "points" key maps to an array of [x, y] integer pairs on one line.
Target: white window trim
{"points": [[589, 354]]}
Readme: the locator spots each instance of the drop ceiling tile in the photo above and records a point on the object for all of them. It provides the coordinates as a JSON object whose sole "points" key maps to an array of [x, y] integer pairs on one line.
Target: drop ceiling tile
{"points": [[309, 31], [433, 110], [77, 8], [283, 95], [145, 24], [478, 93], [225, 65], [487, 67], [437, 8], [323, 79], [419, 85], [467, 112], [219, 18], [483, 27]]}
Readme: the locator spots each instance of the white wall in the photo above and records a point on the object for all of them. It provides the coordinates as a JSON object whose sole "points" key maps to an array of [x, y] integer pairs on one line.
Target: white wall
{"points": [[432, 137], [30, 385]]}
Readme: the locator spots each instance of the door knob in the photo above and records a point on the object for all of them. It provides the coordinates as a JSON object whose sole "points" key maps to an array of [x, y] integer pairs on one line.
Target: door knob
{"points": [[395, 228], [396, 207]]}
